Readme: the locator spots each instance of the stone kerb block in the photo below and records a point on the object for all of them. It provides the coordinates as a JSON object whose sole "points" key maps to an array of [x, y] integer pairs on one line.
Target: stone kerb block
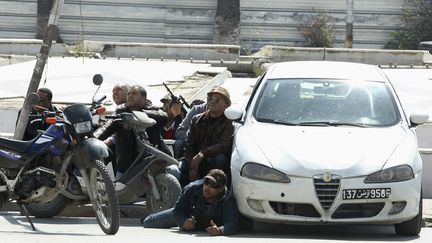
{"points": [[167, 51], [369, 56]]}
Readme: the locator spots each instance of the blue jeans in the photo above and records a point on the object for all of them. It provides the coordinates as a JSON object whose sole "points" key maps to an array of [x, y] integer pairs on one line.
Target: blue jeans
{"points": [[178, 147], [174, 170], [162, 219]]}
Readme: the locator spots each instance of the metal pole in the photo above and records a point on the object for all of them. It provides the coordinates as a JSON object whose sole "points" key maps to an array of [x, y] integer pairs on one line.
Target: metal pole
{"points": [[39, 67], [349, 24]]}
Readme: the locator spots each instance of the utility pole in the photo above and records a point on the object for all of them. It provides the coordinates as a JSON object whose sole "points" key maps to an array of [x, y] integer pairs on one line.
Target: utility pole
{"points": [[39, 68], [349, 24], [227, 22]]}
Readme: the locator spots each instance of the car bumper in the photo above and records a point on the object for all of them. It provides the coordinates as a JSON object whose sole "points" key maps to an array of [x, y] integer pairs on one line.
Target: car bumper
{"points": [[297, 202]]}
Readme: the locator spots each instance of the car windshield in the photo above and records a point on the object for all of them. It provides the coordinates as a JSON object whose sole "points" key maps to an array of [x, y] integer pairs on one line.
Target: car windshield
{"points": [[324, 102]]}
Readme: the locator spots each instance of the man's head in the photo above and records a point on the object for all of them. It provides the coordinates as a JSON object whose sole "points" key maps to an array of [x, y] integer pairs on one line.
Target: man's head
{"points": [[218, 99], [136, 97], [214, 183], [166, 101], [119, 93], [45, 98]]}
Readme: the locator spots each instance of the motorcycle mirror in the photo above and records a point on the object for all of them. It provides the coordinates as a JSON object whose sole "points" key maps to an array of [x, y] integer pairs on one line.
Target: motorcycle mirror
{"points": [[33, 98], [97, 79]]}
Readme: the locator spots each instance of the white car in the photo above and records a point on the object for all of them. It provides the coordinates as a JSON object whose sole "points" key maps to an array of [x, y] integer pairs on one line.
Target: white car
{"points": [[327, 142]]}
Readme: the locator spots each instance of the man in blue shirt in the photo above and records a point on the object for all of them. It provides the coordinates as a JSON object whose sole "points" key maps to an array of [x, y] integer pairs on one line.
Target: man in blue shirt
{"points": [[205, 204]]}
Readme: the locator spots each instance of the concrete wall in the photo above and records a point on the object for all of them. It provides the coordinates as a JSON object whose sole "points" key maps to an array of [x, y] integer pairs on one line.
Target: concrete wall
{"points": [[8, 125], [273, 22], [369, 56]]}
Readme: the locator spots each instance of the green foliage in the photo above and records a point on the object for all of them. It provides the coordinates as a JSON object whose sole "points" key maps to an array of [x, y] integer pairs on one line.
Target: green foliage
{"points": [[416, 26], [78, 50], [320, 32]]}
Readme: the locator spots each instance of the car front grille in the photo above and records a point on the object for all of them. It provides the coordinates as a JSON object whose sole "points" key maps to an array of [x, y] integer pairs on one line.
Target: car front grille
{"points": [[357, 210], [298, 209], [326, 190]]}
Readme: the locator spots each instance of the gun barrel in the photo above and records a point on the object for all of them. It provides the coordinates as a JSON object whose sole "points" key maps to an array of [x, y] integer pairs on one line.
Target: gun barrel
{"points": [[179, 98]]}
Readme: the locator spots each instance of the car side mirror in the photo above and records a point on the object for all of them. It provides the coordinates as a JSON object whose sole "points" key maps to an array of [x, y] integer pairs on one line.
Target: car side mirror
{"points": [[418, 119], [234, 113]]}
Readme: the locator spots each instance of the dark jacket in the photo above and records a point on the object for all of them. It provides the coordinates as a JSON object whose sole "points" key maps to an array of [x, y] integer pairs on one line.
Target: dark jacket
{"points": [[126, 145], [181, 131], [32, 128], [223, 211], [211, 136]]}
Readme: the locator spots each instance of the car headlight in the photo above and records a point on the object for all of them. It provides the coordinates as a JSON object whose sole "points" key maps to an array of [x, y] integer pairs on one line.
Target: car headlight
{"points": [[263, 173], [83, 127], [393, 174]]}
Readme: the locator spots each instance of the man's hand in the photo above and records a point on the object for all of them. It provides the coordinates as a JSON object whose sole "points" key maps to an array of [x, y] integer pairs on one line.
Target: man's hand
{"points": [[108, 141], [193, 175], [193, 168], [189, 224], [175, 109], [196, 160], [213, 229]]}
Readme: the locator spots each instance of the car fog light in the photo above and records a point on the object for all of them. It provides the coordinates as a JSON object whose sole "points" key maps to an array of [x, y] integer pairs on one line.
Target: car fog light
{"points": [[256, 205], [397, 207]]}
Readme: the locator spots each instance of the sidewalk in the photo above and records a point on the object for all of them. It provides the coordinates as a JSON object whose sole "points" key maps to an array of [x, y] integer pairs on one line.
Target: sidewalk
{"points": [[427, 212]]}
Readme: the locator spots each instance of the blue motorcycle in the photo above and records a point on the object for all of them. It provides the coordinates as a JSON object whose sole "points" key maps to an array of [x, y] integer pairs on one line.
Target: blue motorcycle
{"points": [[36, 171]]}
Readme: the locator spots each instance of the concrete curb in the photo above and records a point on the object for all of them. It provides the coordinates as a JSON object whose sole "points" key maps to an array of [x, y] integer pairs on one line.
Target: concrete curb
{"points": [[215, 52], [427, 212], [216, 81], [369, 56]]}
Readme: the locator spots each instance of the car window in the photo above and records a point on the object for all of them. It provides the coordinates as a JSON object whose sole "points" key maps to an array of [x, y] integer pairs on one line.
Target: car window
{"points": [[326, 102]]}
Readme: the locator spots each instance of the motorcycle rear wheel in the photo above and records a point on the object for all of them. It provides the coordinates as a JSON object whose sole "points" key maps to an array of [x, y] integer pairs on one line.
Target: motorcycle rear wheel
{"points": [[49, 209], [169, 190], [105, 202]]}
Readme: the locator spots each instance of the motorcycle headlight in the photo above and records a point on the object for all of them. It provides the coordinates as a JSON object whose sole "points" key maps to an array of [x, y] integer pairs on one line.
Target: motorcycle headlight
{"points": [[393, 174], [263, 173], [83, 127]]}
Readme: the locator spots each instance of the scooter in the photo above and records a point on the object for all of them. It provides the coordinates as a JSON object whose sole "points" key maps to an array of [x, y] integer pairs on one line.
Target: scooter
{"points": [[147, 178], [36, 171]]}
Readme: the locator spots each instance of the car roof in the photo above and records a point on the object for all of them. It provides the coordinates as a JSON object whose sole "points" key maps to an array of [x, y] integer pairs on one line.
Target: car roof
{"points": [[326, 69]]}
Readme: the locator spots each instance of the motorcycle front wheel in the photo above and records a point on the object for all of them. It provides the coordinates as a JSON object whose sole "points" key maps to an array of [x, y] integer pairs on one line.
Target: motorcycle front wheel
{"points": [[105, 202]]}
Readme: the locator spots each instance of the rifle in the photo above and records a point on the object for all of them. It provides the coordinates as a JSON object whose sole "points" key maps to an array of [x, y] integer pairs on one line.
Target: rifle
{"points": [[178, 99]]}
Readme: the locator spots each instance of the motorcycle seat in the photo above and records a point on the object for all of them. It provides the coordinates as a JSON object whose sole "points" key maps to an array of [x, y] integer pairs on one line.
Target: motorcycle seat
{"points": [[17, 145]]}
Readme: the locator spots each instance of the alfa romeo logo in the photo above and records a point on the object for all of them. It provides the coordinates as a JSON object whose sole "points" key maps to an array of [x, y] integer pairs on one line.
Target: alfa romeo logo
{"points": [[327, 177]]}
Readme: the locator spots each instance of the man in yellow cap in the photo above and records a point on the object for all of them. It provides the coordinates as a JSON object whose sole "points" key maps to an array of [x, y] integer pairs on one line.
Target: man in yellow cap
{"points": [[209, 139]]}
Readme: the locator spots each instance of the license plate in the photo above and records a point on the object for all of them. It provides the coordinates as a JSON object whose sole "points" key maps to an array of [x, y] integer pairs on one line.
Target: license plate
{"points": [[369, 193]]}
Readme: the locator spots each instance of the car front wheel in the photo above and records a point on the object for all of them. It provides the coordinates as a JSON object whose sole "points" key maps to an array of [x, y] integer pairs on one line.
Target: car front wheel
{"points": [[413, 226]]}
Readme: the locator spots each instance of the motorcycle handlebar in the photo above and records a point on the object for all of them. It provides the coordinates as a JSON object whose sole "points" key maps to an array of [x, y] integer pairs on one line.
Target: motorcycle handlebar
{"points": [[100, 100]]}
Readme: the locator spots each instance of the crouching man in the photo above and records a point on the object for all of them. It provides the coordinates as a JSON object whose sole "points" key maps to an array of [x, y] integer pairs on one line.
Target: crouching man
{"points": [[205, 204]]}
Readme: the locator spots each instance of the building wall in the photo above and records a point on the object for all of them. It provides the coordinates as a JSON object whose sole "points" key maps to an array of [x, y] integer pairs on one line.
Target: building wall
{"points": [[191, 21]]}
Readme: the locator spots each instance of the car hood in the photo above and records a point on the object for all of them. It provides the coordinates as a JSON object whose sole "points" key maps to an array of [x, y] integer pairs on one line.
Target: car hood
{"points": [[307, 151]]}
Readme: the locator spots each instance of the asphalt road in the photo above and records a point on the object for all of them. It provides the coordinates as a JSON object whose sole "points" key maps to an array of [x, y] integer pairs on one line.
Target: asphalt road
{"points": [[15, 228]]}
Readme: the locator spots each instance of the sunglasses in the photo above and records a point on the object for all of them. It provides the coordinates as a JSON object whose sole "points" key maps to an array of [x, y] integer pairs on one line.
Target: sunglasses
{"points": [[211, 183]]}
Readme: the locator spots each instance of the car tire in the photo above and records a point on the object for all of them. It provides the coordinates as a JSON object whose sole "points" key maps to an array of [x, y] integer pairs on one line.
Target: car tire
{"points": [[413, 226], [246, 224]]}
